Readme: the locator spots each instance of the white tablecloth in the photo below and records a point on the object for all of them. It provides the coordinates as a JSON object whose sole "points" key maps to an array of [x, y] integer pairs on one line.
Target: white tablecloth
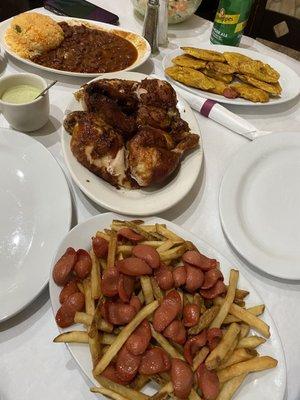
{"points": [[31, 367]]}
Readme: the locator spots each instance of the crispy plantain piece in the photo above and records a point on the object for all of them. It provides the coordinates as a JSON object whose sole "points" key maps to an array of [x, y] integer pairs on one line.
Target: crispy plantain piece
{"points": [[272, 88], [221, 77], [233, 59], [251, 93], [189, 61], [220, 68], [258, 70], [219, 86], [202, 54], [190, 77]]}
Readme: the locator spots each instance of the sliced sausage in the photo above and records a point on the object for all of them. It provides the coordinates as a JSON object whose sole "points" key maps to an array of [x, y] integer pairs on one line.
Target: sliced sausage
{"points": [[194, 344], [213, 292], [182, 378], [199, 260], [139, 340], [148, 254], [208, 382], [164, 277], [110, 281], [127, 364], [179, 276], [133, 266], [194, 278], [64, 317], [129, 234], [70, 288], [100, 246], [135, 302], [111, 374], [83, 264], [211, 277], [75, 302], [118, 313], [230, 93], [125, 287], [191, 315], [170, 307], [155, 361], [64, 266], [214, 336], [175, 332]]}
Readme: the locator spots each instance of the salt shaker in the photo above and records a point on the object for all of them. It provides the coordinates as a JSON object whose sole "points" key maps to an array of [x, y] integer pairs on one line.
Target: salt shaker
{"points": [[150, 29], [163, 23]]}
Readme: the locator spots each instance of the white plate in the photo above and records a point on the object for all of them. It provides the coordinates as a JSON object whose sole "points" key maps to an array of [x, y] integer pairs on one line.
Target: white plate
{"points": [[289, 80], [142, 46], [143, 201], [35, 209], [263, 386], [259, 204]]}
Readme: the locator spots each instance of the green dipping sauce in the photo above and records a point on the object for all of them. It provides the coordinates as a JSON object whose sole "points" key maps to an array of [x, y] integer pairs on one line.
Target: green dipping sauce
{"points": [[20, 94]]}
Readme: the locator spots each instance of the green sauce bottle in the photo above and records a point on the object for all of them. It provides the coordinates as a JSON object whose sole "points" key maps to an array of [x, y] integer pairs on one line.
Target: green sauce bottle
{"points": [[230, 21]]}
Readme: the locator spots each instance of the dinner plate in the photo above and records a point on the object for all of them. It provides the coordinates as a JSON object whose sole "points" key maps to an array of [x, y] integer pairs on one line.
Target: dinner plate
{"points": [[35, 209], [138, 41], [145, 201], [264, 386], [259, 204], [289, 80]]}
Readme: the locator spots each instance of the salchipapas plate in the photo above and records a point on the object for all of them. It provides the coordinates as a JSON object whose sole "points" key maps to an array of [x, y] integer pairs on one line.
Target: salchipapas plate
{"points": [[289, 80], [36, 210], [147, 201], [263, 386]]}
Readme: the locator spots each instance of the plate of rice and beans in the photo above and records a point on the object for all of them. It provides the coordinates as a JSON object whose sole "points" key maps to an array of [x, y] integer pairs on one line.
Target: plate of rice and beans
{"points": [[71, 46]]}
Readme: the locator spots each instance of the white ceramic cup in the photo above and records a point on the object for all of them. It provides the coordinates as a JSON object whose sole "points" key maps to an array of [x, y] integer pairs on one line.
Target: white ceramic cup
{"points": [[25, 117]]}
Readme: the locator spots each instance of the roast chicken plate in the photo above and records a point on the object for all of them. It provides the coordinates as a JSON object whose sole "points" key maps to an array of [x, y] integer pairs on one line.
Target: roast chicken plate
{"points": [[131, 133]]}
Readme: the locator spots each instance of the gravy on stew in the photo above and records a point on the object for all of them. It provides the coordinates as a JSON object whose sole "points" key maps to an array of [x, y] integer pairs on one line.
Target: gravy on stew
{"points": [[89, 50]]}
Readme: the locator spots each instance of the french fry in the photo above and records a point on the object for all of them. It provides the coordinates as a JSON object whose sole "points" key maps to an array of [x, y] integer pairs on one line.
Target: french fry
{"points": [[205, 320], [245, 329], [108, 338], [194, 395], [93, 328], [141, 297], [120, 389], [250, 319], [239, 302], [162, 230], [153, 243], [103, 264], [241, 294], [230, 351], [140, 381], [103, 235], [80, 287], [83, 318], [230, 387], [89, 301], [237, 356], [126, 250], [147, 289], [109, 393], [95, 276], [123, 336], [254, 364], [165, 344], [200, 357], [218, 353], [233, 280], [72, 337], [173, 253], [112, 250], [167, 245], [256, 310], [157, 292], [250, 342], [148, 234], [165, 390], [95, 347]]}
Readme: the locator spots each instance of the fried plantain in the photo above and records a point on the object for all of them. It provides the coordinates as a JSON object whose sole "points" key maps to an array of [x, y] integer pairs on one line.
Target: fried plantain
{"points": [[272, 88], [189, 61], [233, 59], [251, 93], [219, 87], [258, 70], [221, 77], [220, 68], [190, 77], [202, 54]]}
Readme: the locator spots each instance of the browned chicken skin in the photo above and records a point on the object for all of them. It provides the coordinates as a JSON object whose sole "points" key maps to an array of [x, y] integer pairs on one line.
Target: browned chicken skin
{"points": [[131, 134]]}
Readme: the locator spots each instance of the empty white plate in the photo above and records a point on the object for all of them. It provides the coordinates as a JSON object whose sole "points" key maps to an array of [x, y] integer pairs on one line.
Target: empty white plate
{"points": [[259, 204], [35, 214]]}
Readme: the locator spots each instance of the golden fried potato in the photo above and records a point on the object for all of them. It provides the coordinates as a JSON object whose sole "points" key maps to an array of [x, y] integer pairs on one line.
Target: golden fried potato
{"points": [[216, 75], [220, 68], [251, 93], [272, 88], [234, 59], [189, 61], [208, 55], [258, 70], [190, 77], [219, 86]]}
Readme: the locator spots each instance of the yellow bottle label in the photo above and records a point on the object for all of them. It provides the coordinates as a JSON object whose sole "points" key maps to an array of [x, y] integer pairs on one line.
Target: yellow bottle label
{"points": [[240, 26], [226, 19]]}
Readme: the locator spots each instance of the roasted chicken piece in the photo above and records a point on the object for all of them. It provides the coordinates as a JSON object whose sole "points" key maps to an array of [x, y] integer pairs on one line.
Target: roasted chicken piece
{"points": [[156, 93], [98, 147], [153, 154]]}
